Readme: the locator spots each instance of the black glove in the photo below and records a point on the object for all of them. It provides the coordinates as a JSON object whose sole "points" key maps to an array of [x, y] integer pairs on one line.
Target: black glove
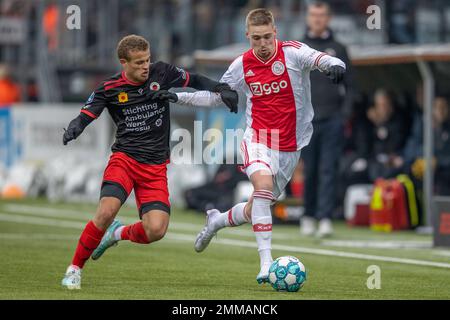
{"points": [[71, 133], [76, 127], [336, 74], [165, 95], [228, 96]]}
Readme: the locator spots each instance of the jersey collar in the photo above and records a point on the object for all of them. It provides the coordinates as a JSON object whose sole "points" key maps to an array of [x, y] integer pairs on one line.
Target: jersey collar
{"points": [[128, 81], [271, 58]]}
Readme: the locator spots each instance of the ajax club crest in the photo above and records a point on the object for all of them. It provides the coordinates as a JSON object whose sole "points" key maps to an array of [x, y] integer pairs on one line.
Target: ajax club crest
{"points": [[278, 68]]}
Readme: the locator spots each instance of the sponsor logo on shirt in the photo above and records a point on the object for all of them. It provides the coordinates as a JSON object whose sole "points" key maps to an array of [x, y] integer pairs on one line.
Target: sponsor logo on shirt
{"points": [[259, 89], [123, 97], [249, 73]]}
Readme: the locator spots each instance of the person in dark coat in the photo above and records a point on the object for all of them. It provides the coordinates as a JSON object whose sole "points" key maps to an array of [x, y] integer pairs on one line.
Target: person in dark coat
{"points": [[332, 107]]}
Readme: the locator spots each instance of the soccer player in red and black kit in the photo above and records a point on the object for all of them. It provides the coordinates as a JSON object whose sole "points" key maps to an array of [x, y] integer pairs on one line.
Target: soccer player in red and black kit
{"points": [[138, 101]]}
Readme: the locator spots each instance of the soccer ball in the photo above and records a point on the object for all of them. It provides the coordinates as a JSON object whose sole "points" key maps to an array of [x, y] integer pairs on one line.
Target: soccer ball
{"points": [[287, 274]]}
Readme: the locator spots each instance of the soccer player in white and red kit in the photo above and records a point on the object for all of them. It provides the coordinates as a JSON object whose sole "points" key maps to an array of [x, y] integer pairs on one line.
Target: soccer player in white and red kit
{"points": [[274, 76]]}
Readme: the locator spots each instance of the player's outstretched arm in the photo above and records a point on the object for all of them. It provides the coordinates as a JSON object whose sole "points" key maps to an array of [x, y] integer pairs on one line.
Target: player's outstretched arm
{"points": [[199, 98], [228, 96], [92, 109], [76, 127], [210, 99], [333, 67], [312, 59], [165, 95], [335, 73]]}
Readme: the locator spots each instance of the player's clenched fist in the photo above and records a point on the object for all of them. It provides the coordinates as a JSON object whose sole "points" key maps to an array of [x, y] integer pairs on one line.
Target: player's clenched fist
{"points": [[228, 96], [336, 74], [165, 95]]}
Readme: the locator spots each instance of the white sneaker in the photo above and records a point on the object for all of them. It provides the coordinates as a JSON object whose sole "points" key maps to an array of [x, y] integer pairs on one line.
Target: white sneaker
{"points": [[325, 228], [208, 232], [308, 226], [72, 278], [263, 275]]}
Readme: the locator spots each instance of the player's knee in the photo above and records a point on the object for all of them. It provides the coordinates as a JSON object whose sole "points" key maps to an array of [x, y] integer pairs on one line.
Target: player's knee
{"points": [[106, 212], [263, 184], [104, 218], [155, 230], [262, 180], [264, 188], [158, 233]]}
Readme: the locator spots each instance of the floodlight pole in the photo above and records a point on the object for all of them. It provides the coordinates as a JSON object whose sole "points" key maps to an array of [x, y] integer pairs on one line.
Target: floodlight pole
{"points": [[428, 182]]}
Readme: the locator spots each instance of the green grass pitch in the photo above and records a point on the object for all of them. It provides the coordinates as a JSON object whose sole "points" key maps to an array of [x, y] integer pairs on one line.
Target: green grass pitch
{"points": [[38, 238]]}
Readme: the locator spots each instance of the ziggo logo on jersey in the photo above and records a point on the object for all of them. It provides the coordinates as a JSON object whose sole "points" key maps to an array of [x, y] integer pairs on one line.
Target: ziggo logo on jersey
{"points": [[259, 89]]}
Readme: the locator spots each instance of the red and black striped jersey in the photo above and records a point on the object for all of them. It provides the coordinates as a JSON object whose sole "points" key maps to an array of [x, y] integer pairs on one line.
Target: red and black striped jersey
{"points": [[143, 123]]}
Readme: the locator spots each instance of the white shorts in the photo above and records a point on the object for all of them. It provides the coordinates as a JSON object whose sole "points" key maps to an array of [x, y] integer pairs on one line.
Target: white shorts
{"points": [[279, 164]]}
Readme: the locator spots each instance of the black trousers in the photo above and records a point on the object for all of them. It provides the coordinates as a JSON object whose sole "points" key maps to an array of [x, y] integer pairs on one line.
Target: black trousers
{"points": [[321, 158]]}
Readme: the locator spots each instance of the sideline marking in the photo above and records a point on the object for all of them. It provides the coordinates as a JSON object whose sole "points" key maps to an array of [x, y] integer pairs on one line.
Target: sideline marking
{"points": [[237, 243]]}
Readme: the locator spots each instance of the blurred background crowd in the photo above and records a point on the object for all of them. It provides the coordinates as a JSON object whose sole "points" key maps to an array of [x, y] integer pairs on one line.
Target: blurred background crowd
{"points": [[176, 29], [42, 61]]}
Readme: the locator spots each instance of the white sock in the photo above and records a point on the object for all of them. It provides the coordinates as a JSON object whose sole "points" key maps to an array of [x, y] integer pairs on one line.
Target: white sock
{"points": [[265, 259], [232, 218], [118, 233], [262, 224]]}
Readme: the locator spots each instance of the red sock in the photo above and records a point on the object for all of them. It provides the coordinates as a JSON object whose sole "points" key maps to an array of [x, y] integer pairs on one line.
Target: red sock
{"points": [[89, 240], [135, 233]]}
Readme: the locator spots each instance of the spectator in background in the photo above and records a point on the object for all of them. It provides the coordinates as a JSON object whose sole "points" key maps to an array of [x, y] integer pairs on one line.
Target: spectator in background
{"points": [[9, 90], [441, 159], [414, 142], [387, 136], [354, 162], [218, 193], [441, 124], [50, 23], [332, 105]]}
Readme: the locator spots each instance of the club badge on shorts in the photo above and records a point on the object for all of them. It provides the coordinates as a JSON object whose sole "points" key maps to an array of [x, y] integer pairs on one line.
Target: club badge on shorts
{"points": [[278, 68], [154, 86]]}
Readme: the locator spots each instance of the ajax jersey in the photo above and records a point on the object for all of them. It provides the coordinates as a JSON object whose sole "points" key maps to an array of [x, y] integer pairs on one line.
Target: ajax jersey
{"points": [[278, 98]]}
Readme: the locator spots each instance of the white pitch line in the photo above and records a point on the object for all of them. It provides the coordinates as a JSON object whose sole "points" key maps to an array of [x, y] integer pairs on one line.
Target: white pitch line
{"points": [[80, 215], [37, 236], [239, 243], [442, 253], [393, 244], [39, 209], [56, 213], [323, 252], [41, 221]]}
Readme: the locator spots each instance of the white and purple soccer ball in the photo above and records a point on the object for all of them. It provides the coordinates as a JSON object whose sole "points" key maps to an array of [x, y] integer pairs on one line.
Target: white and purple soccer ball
{"points": [[287, 274]]}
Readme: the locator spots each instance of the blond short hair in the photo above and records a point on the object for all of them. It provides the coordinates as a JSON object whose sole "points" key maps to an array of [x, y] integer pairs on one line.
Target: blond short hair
{"points": [[131, 43], [259, 17]]}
